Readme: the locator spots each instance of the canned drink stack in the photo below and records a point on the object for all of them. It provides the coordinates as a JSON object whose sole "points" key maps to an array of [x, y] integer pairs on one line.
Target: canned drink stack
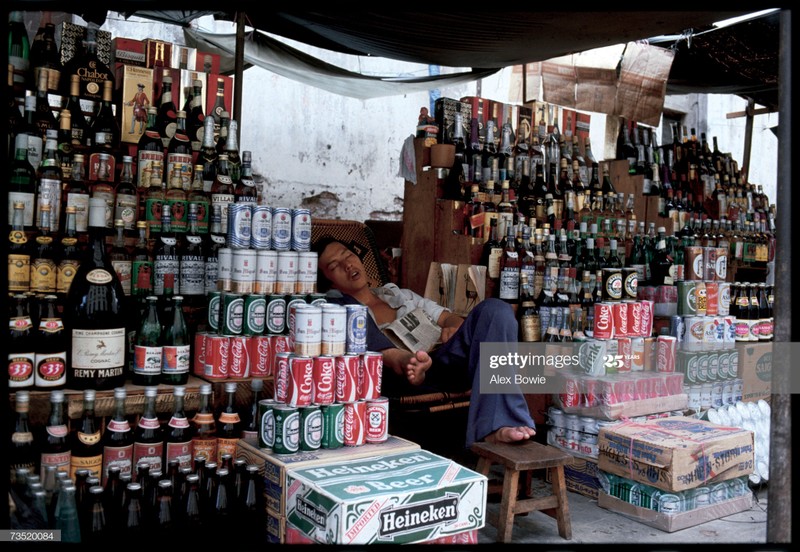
{"points": [[261, 229]]}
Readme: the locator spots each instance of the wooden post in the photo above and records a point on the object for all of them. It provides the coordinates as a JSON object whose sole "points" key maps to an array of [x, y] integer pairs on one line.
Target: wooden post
{"points": [[748, 134]]}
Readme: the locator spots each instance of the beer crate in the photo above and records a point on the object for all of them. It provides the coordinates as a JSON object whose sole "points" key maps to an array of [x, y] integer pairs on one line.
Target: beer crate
{"points": [[580, 477], [675, 522], [675, 453], [295, 536], [275, 467], [406, 497]]}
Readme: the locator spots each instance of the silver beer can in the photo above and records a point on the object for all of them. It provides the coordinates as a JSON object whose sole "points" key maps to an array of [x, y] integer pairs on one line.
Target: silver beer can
{"points": [[240, 224], [281, 229], [301, 229], [261, 229]]}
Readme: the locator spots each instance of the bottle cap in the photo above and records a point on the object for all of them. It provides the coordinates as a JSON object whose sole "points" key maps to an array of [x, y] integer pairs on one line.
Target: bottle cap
{"points": [[89, 394], [120, 393], [205, 388], [57, 396], [150, 391], [179, 391]]}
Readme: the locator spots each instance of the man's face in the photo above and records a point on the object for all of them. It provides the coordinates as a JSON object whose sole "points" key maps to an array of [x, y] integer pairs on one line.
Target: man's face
{"points": [[342, 268]]}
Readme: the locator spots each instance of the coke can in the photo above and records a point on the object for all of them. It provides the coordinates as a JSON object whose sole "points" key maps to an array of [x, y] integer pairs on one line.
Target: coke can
{"points": [[239, 363], [266, 423], [224, 268], [666, 350], [266, 271], [260, 351], [275, 320], [346, 368], [648, 316], [240, 223], [217, 349], [300, 385], [231, 314], [373, 375], [712, 298], [621, 320], [255, 313], [261, 229], [377, 418], [287, 429], [624, 350], [332, 425], [624, 389], [355, 414], [243, 271], [287, 272], [645, 388], [590, 392], [281, 376], [356, 325], [310, 427], [301, 229], [674, 383], [608, 394], [199, 363], [603, 320], [634, 318], [334, 329], [213, 318], [307, 262], [324, 377], [571, 394], [281, 228], [307, 334]]}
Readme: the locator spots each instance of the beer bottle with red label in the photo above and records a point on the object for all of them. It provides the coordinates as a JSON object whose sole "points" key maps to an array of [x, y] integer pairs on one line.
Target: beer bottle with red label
{"points": [[228, 424], [21, 353], [118, 438], [85, 445], [204, 440], [148, 441], [178, 437], [51, 348], [55, 448]]}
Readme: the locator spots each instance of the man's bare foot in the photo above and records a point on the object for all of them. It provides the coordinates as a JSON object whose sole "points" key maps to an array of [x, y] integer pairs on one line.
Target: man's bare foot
{"points": [[417, 366], [510, 434]]}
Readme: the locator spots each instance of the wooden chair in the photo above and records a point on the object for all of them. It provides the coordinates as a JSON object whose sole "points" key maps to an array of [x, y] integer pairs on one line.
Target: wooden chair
{"points": [[517, 458]]}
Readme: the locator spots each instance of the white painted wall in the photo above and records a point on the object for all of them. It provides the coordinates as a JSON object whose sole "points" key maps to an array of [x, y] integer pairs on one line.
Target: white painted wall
{"points": [[341, 155]]}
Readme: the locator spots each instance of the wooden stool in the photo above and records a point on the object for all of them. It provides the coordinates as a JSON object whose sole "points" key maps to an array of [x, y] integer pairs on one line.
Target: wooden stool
{"points": [[521, 457]]}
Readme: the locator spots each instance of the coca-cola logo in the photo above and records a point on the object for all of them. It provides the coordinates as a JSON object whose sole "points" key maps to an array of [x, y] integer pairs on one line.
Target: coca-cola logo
{"points": [[306, 379], [622, 314], [325, 380], [602, 320], [223, 356]]}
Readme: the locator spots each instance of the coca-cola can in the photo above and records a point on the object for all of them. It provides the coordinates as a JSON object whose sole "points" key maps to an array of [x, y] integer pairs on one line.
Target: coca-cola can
{"points": [[239, 363], [260, 351], [621, 320], [280, 344], [661, 384], [590, 392], [603, 320], [624, 389], [300, 386], [648, 316], [281, 375], [334, 329], [608, 393], [199, 363], [624, 352], [346, 367], [217, 356], [634, 318], [372, 372], [570, 394], [355, 416], [377, 420], [666, 349], [674, 383], [324, 377], [645, 388]]}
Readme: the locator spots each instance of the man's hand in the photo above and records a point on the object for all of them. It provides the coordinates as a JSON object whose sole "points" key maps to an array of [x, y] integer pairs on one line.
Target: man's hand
{"points": [[450, 323]]}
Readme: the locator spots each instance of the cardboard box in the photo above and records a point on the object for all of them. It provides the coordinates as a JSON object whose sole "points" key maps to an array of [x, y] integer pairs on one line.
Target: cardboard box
{"points": [[675, 522], [274, 467], [675, 453], [136, 95], [295, 536], [480, 109], [407, 497], [445, 118], [581, 477], [157, 53], [128, 51], [755, 370]]}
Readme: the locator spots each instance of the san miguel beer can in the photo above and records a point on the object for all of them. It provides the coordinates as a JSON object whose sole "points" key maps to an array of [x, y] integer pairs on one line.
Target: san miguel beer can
{"points": [[307, 262], [372, 375], [377, 418], [255, 313], [261, 227], [324, 377], [287, 429], [224, 268], [281, 376], [356, 329], [310, 427], [287, 272], [243, 271], [709, 263], [693, 255], [334, 329], [281, 228], [217, 354], [355, 414], [721, 266], [346, 367], [266, 271], [260, 350], [307, 330], [239, 363], [332, 425], [300, 385], [266, 423]]}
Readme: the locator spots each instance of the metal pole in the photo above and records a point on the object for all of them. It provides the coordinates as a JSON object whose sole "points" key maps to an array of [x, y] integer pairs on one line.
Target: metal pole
{"points": [[779, 506]]}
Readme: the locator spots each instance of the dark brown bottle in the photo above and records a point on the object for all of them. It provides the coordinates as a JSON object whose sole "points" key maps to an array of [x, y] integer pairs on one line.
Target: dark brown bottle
{"points": [[87, 450], [204, 440], [117, 438], [148, 436], [51, 348], [179, 431], [229, 429], [21, 349], [55, 449]]}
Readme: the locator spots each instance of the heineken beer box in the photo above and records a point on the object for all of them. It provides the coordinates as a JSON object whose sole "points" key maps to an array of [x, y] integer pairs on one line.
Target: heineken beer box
{"points": [[407, 497], [675, 453]]}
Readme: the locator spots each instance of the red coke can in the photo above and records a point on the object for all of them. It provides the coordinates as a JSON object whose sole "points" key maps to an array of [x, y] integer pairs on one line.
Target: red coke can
{"points": [[239, 364], [571, 394], [199, 364], [347, 368], [372, 375], [646, 329], [625, 389], [608, 394], [300, 386], [666, 348], [674, 383], [260, 350], [355, 415], [280, 344], [591, 392], [621, 321], [634, 318], [281, 376], [603, 320], [324, 376], [624, 350], [661, 385], [377, 420], [217, 356]]}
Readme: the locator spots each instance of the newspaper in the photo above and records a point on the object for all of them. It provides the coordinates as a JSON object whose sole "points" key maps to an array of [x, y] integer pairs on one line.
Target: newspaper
{"points": [[415, 331]]}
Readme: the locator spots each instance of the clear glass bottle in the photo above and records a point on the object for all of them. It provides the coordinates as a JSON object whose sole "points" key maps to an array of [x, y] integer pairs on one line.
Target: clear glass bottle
{"points": [[191, 259]]}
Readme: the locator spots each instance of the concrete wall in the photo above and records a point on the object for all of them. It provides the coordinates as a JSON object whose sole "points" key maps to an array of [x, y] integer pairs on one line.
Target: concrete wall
{"points": [[340, 155]]}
